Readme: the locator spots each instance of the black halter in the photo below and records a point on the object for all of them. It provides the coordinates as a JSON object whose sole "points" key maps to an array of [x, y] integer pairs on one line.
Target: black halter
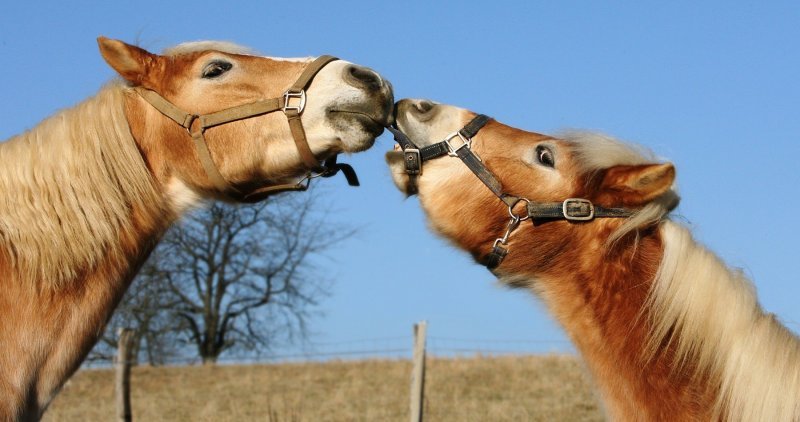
{"points": [[572, 209]]}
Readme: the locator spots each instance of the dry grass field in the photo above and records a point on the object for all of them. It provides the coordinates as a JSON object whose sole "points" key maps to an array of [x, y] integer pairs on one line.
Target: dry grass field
{"points": [[517, 388]]}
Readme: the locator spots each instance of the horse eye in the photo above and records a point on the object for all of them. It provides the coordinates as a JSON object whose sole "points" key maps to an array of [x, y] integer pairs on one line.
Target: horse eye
{"points": [[214, 69], [545, 156]]}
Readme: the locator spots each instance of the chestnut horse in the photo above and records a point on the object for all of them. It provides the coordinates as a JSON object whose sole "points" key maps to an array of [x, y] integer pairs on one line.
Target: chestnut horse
{"points": [[87, 193], [667, 330]]}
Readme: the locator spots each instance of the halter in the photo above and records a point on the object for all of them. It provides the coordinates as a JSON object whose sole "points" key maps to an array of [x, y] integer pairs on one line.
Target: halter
{"points": [[292, 103], [459, 144]]}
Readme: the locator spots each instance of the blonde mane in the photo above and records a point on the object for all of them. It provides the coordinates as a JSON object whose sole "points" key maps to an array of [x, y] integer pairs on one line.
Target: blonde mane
{"points": [[69, 186], [711, 315], [196, 46]]}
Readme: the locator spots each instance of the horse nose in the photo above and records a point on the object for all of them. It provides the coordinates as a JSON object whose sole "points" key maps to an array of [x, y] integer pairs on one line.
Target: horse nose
{"points": [[417, 107], [423, 106], [362, 77]]}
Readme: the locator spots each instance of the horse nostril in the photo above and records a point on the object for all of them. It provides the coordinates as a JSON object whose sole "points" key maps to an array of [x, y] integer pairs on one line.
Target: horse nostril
{"points": [[363, 77], [423, 106]]}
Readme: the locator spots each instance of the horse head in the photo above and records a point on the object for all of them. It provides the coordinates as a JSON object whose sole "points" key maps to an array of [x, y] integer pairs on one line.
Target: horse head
{"points": [[211, 118], [531, 177]]}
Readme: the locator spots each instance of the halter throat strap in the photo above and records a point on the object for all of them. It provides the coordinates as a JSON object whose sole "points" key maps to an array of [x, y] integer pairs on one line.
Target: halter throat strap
{"points": [[292, 103]]}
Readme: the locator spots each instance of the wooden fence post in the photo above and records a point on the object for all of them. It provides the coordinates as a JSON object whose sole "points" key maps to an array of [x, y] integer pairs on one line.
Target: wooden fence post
{"points": [[123, 375], [418, 373]]}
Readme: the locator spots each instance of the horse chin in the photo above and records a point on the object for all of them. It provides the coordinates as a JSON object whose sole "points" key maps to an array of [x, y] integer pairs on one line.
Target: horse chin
{"points": [[358, 130]]}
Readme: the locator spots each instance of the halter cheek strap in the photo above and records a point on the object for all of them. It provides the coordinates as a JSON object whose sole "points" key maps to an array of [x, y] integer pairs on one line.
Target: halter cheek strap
{"points": [[292, 103]]}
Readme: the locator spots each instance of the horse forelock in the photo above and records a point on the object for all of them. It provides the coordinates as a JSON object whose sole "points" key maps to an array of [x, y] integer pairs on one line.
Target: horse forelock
{"points": [[710, 315], [70, 186], [594, 152]]}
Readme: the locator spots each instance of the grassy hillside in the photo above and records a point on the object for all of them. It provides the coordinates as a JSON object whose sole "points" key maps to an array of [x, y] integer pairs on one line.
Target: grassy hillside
{"points": [[519, 388]]}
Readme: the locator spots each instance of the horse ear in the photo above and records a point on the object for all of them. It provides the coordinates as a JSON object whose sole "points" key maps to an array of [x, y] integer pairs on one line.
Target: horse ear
{"points": [[637, 185], [131, 62]]}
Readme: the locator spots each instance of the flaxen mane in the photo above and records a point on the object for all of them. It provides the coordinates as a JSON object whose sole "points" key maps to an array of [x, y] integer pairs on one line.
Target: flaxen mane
{"points": [[68, 187], [195, 46], [72, 181], [707, 311], [711, 315]]}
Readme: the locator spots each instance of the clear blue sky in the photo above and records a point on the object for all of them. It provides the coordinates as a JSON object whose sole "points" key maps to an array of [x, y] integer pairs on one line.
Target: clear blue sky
{"points": [[711, 86]]}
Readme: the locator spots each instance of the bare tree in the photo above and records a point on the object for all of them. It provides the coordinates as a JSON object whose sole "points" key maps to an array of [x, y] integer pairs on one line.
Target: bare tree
{"points": [[231, 278]]}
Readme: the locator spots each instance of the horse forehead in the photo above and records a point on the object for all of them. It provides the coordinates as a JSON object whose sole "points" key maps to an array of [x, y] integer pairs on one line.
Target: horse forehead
{"points": [[505, 137]]}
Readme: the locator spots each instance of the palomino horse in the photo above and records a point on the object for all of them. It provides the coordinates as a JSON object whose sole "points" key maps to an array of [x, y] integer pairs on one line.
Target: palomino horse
{"points": [[87, 193], [667, 330]]}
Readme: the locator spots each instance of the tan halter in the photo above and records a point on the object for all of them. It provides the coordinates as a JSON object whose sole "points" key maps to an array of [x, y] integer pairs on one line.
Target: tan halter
{"points": [[292, 103]]}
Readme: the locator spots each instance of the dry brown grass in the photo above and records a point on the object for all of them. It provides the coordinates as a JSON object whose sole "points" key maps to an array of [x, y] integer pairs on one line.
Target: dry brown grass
{"points": [[518, 388]]}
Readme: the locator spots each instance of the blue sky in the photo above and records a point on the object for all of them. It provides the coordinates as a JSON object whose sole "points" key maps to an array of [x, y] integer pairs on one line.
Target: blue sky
{"points": [[711, 86]]}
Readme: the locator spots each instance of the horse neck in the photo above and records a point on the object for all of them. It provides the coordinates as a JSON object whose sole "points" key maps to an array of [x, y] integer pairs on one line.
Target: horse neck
{"points": [[78, 190], [599, 298], [81, 213], [666, 329]]}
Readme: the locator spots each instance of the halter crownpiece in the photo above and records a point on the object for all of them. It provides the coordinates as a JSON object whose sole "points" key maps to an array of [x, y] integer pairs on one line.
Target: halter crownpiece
{"points": [[292, 103], [571, 209]]}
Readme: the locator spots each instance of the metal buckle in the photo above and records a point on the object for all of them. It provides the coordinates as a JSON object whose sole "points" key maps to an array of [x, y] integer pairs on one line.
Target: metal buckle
{"points": [[467, 142], [413, 161], [580, 215], [289, 95]]}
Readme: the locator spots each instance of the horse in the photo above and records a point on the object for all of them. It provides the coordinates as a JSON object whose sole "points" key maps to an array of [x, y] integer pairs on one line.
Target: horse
{"points": [[89, 191], [667, 330]]}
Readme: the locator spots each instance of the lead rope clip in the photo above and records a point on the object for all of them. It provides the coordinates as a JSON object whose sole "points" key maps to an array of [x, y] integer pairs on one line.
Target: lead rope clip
{"points": [[500, 246]]}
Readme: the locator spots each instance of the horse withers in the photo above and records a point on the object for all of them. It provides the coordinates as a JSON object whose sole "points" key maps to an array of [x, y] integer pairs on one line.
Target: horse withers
{"points": [[88, 192], [667, 330]]}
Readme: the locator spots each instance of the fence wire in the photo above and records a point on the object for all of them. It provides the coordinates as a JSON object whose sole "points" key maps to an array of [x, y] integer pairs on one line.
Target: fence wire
{"points": [[397, 347]]}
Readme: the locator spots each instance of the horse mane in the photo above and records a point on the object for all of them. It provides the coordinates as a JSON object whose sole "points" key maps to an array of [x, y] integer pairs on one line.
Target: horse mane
{"points": [[708, 313], [711, 316], [197, 46], [69, 187]]}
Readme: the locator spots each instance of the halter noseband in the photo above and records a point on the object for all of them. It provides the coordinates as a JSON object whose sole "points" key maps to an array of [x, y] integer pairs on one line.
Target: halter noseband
{"points": [[572, 209], [292, 103]]}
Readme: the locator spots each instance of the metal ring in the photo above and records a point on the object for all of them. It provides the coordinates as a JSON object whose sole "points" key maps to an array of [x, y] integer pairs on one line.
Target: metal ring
{"points": [[512, 206], [188, 122]]}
